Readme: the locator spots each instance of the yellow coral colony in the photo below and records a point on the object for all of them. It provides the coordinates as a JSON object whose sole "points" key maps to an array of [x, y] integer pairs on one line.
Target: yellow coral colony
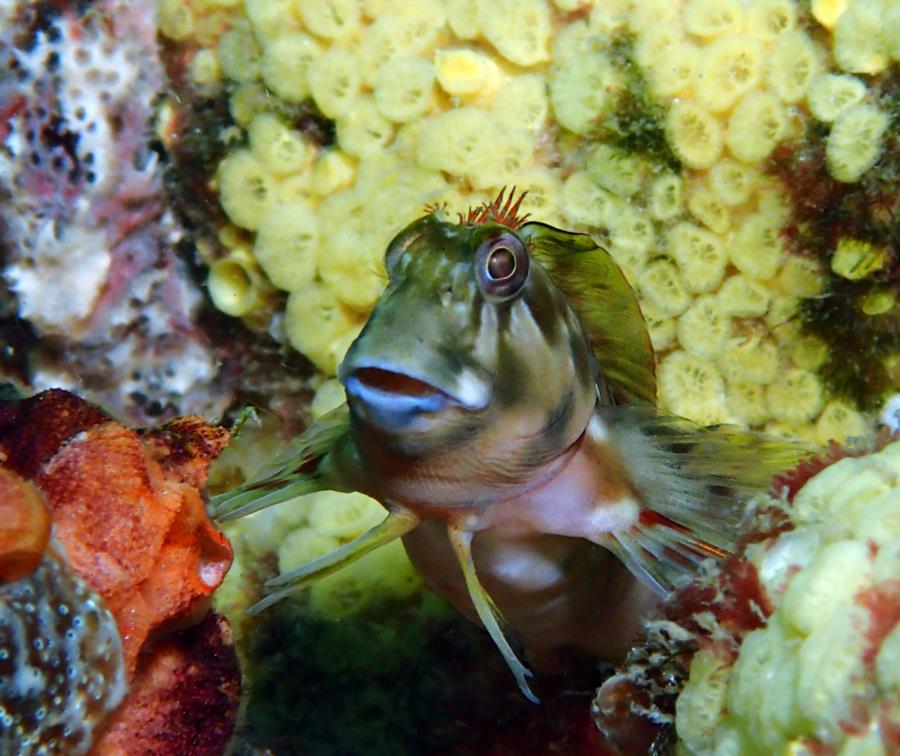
{"points": [[446, 101], [826, 664]]}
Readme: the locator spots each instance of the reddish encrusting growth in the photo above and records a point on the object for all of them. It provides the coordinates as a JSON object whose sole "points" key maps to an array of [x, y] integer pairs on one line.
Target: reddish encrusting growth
{"points": [[882, 601], [128, 512], [889, 723], [738, 601], [184, 702], [635, 709], [33, 431], [24, 526]]}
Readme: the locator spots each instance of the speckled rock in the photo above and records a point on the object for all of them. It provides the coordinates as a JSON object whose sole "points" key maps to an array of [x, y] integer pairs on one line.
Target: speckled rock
{"points": [[61, 665]]}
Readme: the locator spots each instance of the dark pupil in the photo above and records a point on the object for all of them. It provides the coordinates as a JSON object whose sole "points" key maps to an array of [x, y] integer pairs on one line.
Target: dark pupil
{"points": [[501, 264]]}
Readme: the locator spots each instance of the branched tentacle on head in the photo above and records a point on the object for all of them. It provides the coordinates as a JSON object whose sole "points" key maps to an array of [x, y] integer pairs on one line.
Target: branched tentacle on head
{"points": [[436, 208], [505, 213]]}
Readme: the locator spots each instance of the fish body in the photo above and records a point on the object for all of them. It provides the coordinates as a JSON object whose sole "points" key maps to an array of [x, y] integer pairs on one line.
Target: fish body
{"points": [[500, 405]]}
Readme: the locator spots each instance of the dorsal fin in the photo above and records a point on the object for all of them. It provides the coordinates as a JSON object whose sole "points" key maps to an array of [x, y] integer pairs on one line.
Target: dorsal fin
{"points": [[606, 305]]}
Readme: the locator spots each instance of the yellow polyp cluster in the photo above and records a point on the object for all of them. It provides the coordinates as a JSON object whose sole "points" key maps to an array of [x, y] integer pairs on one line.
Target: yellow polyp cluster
{"points": [[309, 527], [693, 387], [719, 287], [827, 12], [733, 76], [821, 675], [235, 283], [854, 143], [855, 259], [447, 101], [703, 328], [797, 399], [865, 36], [465, 73]]}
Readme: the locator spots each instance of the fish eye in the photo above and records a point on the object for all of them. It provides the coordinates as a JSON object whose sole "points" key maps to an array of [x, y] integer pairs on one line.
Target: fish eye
{"points": [[502, 265]]}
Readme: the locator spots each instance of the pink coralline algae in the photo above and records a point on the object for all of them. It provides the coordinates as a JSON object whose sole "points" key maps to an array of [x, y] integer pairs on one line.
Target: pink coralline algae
{"points": [[89, 242]]}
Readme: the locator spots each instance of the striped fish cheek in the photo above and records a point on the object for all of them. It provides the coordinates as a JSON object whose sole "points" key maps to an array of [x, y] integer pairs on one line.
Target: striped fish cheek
{"points": [[545, 361], [487, 338], [529, 386], [579, 352], [459, 314]]}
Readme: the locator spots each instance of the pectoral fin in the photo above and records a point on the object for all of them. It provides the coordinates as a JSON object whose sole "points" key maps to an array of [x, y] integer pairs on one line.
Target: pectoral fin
{"points": [[487, 610], [296, 471], [694, 483], [398, 523]]}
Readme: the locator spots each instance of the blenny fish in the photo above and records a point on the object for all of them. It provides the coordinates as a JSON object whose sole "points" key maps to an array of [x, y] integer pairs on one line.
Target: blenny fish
{"points": [[501, 405]]}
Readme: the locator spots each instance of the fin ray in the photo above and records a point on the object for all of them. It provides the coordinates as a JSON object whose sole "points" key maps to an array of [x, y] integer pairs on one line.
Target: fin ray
{"points": [[397, 524], [246, 502], [695, 484], [487, 610], [293, 472]]}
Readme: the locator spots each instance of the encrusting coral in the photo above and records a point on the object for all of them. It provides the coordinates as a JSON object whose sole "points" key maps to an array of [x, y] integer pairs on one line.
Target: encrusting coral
{"points": [[649, 124], [133, 558], [795, 642]]}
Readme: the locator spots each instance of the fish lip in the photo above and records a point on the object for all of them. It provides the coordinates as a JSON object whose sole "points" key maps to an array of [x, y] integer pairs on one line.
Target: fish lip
{"points": [[381, 383]]}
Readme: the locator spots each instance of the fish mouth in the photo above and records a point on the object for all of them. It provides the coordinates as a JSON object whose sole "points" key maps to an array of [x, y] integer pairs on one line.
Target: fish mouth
{"points": [[393, 382], [393, 399]]}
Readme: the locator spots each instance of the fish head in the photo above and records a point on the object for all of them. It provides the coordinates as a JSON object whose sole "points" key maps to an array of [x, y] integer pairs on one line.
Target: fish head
{"points": [[471, 347]]}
